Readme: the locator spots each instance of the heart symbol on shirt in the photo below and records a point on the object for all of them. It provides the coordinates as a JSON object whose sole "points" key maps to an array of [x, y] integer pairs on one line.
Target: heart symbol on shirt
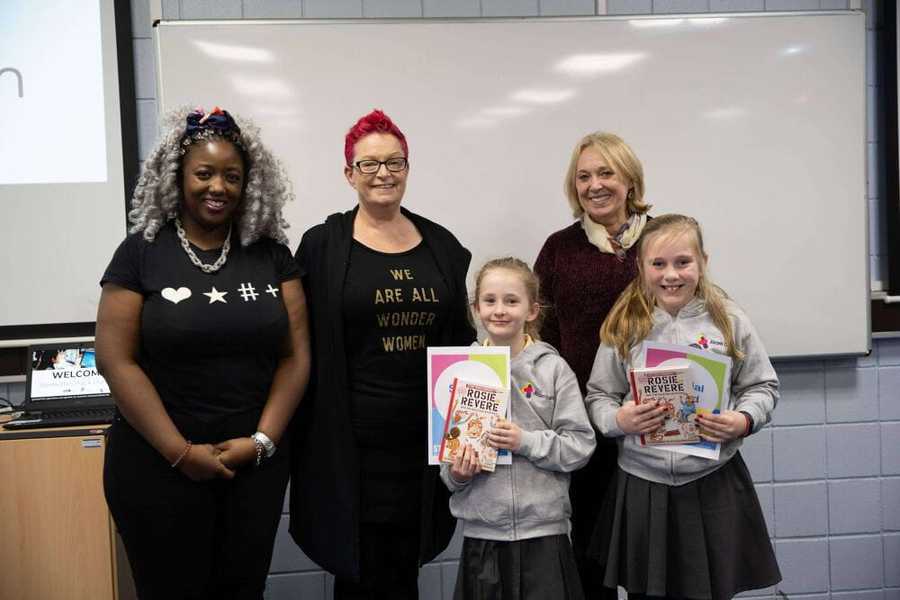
{"points": [[175, 296]]}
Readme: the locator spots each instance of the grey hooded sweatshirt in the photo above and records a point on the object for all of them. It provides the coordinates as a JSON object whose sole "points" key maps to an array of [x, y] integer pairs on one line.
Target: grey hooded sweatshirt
{"points": [[530, 497], [753, 389]]}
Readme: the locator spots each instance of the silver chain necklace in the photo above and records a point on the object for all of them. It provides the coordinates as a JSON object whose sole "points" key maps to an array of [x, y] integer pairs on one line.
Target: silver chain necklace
{"points": [[187, 248]]}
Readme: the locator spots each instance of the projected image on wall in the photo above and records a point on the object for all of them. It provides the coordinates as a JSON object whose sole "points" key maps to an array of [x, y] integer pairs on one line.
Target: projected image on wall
{"points": [[51, 92]]}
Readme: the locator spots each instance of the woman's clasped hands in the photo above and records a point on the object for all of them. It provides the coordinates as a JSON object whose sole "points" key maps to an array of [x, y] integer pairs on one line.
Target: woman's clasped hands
{"points": [[204, 462]]}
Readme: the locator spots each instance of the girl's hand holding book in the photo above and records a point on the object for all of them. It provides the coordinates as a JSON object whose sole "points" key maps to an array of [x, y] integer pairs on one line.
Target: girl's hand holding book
{"points": [[723, 427], [505, 435], [466, 465], [641, 418]]}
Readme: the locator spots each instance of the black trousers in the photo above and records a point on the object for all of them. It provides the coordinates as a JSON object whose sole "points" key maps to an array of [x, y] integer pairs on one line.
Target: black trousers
{"points": [[389, 565], [187, 540]]}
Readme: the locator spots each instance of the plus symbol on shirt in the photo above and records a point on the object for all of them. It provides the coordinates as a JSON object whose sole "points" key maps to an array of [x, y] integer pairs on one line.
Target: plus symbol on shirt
{"points": [[248, 292], [273, 291]]}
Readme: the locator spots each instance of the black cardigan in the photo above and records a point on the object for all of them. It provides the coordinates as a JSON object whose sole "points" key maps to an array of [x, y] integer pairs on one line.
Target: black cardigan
{"points": [[325, 467]]}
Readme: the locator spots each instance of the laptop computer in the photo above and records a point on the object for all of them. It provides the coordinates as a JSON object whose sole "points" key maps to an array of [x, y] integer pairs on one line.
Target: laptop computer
{"points": [[63, 387]]}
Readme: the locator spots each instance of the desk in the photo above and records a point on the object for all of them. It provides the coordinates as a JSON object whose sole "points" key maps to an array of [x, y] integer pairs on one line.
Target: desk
{"points": [[57, 540]]}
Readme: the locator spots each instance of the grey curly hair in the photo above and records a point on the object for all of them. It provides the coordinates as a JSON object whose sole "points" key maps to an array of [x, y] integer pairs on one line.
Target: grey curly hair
{"points": [[157, 195]]}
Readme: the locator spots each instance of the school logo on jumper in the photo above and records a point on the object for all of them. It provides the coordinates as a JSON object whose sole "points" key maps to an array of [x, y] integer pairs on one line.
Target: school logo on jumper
{"points": [[704, 343], [527, 389]]}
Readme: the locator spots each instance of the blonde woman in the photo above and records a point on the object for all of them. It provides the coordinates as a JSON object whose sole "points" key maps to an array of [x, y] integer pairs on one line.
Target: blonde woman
{"points": [[583, 269]]}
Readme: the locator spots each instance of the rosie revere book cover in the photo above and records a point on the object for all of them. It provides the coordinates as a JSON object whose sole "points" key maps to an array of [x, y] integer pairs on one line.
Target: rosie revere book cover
{"points": [[473, 411], [710, 377], [671, 388], [484, 365]]}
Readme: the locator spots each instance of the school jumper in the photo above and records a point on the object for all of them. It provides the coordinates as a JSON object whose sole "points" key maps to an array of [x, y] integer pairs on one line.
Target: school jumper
{"points": [[713, 542], [516, 519]]}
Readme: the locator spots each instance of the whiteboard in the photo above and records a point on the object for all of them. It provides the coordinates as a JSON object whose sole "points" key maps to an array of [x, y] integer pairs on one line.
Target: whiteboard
{"points": [[754, 124]]}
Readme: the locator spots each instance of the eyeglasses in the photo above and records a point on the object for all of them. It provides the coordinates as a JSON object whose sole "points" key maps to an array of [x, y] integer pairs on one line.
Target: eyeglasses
{"points": [[370, 167]]}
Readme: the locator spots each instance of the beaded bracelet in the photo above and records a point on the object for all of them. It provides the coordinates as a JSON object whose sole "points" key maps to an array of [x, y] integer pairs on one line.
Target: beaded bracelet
{"points": [[183, 454], [260, 450]]}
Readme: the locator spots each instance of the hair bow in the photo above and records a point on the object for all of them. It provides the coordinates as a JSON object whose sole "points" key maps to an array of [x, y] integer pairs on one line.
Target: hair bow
{"points": [[203, 125], [217, 119]]}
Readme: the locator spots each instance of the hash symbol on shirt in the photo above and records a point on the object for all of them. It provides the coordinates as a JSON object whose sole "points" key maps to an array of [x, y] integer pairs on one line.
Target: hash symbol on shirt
{"points": [[248, 292], [272, 290]]}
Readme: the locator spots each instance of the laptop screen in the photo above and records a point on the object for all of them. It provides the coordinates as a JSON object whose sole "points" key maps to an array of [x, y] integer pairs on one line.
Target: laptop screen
{"points": [[64, 372]]}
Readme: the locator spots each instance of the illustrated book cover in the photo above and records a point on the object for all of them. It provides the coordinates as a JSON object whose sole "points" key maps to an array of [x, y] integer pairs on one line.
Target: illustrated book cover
{"points": [[474, 409], [486, 365], [710, 379], [672, 388]]}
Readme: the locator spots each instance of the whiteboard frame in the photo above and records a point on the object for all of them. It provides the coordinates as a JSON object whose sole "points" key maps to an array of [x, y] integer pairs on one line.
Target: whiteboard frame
{"points": [[862, 345]]}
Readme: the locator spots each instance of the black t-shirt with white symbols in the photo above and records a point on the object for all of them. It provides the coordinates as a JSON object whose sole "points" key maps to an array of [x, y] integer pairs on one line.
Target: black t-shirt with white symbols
{"points": [[210, 342]]}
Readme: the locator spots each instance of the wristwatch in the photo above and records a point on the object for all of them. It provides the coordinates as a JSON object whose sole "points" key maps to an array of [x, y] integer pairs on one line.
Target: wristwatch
{"points": [[265, 447]]}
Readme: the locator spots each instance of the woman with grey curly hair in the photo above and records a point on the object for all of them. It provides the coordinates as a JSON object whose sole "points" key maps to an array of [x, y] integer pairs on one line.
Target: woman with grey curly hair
{"points": [[157, 196], [202, 336]]}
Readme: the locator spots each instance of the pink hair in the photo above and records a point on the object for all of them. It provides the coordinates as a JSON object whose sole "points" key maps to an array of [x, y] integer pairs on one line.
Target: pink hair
{"points": [[374, 122]]}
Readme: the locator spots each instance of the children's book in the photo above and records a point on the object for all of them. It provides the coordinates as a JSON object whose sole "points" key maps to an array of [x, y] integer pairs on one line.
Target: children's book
{"points": [[710, 379], [473, 411], [486, 365], [671, 388]]}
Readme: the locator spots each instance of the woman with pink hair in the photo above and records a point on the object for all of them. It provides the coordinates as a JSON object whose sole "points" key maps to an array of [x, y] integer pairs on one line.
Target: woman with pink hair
{"points": [[382, 284]]}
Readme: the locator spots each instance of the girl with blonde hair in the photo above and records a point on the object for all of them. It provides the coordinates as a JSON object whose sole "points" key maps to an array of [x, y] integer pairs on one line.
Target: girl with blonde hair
{"points": [[676, 525], [516, 519]]}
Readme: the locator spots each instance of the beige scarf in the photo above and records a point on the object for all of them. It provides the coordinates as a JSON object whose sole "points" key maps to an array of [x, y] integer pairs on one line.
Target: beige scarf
{"points": [[599, 237]]}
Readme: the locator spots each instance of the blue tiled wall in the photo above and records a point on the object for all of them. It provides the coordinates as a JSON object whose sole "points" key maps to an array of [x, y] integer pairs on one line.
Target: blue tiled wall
{"points": [[828, 468]]}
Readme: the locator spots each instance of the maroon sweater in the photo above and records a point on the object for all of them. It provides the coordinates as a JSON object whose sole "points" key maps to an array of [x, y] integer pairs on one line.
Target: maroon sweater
{"points": [[580, 284]]}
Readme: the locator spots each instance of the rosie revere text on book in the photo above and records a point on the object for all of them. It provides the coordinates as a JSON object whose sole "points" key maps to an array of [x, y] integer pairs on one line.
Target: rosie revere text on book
{"points": [[663, 384], [480, 399]]}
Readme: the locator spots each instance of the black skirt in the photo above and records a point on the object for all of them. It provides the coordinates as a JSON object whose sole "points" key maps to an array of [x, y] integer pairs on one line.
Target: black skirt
{"points": [[706, 539], [533, 569]]}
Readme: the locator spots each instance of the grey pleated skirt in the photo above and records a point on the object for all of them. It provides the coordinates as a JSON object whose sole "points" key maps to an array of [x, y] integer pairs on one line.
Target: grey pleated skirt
{"points": [[541, 568], [705, 540]]}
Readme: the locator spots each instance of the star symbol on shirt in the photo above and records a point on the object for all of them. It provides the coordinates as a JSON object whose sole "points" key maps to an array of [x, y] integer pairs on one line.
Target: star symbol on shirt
{"points": [[216, 296]]}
